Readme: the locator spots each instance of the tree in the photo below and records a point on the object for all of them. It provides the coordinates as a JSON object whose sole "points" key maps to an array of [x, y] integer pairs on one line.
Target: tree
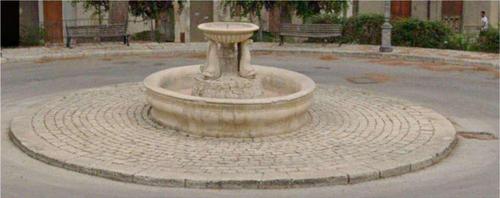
{"points": [[302, 9], [305, 9], [151, 10], [247, 7], [98, 6]]}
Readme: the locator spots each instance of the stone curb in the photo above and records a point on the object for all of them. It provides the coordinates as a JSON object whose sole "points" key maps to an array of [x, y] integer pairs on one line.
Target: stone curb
{"points": [[426, 59], [258, 47], [22, 136]]}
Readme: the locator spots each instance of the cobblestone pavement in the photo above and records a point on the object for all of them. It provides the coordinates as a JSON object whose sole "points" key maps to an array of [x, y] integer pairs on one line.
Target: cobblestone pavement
{"points": [[354, 136], [111, 49]]}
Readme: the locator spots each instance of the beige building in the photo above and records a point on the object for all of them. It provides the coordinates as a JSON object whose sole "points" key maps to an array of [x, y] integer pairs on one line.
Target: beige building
{"points": [[463, 16]]}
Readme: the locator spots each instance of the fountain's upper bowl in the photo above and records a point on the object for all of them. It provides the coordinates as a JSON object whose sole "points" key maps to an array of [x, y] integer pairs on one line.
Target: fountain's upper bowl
{"points": [[228, 32]]}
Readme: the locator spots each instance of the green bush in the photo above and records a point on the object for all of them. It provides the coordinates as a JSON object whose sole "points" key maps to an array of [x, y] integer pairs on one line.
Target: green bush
{"points": [[464, 42], [326, 18], [266, 37], [31, 36], [363, 29], [366, 29], [488, 41], [417, 33], [146, 36]]}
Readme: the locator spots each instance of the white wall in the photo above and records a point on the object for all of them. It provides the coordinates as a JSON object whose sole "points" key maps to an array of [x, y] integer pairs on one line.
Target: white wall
{"points": [[82, 17]]}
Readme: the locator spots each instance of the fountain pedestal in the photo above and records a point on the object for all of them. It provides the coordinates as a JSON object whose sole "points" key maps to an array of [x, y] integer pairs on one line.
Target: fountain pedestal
{"points": [[227, 72]]}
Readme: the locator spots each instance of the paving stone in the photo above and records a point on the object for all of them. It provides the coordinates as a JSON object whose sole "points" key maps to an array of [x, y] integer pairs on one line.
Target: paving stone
{"points": [[353, 136]]}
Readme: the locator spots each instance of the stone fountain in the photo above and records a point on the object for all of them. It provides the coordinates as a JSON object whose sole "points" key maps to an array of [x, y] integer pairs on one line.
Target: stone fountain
{"points": [[228, 96]]}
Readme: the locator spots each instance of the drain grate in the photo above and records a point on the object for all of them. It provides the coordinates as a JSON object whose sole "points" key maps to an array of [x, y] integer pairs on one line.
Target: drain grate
{"points": [[477, 135]]}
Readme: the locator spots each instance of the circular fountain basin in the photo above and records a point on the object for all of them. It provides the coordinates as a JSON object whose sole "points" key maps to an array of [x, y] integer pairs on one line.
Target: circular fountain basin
{"points": [[228, 32], [282, 108]]}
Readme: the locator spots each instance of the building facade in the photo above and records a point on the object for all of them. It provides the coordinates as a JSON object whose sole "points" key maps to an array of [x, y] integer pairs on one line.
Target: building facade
{"points": [[462, 16], [54, 16]]}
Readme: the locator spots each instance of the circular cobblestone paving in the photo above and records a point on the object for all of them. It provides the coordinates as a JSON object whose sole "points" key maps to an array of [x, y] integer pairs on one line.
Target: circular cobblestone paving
{"points": [[353, 136]]}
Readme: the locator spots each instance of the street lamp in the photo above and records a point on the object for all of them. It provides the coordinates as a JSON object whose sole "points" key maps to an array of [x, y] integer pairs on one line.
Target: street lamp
{"points": [[386, 29]]}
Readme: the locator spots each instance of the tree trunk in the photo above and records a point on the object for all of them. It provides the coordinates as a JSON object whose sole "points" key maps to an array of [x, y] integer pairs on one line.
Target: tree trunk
{"points": [[161, 24], [152, 31], [261, 36], [118, 12], [274, 19]]}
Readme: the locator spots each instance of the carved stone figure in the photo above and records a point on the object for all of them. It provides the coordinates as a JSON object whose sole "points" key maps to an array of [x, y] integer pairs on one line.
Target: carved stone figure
{"points": [[245, 69], [211, 69]]}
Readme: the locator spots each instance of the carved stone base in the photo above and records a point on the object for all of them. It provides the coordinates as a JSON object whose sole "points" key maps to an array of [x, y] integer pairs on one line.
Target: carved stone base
{"points": [[227, 87]]}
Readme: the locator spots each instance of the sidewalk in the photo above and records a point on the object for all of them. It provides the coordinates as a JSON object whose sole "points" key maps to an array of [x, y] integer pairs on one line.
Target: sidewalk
{"points": [[107, 49]]}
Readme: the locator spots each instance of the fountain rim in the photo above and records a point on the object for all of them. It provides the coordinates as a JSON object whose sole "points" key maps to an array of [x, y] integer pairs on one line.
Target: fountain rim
{"points": [[251, 28], [153, 83]]}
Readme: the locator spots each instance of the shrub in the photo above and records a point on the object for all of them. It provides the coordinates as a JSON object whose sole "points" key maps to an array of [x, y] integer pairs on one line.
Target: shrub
{"points": [[146, 36], [461, 42], [489, 41], [363, 29], [31, 36], [266, 37], [326, 18], [417, 33]]}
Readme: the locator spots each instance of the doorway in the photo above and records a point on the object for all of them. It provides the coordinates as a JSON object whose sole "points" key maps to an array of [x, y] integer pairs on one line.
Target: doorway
{"points": [[452, 14], [52, 20], [400, 9], [10, 23]]}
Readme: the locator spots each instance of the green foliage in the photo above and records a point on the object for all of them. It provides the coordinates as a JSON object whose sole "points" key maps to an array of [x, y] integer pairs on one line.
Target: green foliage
{"points": [[489, 41], [146, 36], [266, 37], [249, 7], [417, 33], [99, 7], [303, 9], [307, 9], [363, 29], [148, 9], [32, 36], [464, 42], [326, 18], [244, 7]]}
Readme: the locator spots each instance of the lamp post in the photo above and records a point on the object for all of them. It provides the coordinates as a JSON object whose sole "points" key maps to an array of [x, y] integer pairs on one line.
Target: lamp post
{"points": [[386, 29]]}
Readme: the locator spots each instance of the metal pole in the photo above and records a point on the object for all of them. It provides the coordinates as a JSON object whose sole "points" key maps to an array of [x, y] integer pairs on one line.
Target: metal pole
{"points": [[386, 29]]}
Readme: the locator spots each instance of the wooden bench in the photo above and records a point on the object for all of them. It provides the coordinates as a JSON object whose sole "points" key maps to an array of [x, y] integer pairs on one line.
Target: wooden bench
{"points": [[310, 31], [97, 31]]}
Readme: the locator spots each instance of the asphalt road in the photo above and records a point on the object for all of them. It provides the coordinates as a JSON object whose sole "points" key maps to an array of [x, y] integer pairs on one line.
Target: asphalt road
{"points": [[468, 98]]}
